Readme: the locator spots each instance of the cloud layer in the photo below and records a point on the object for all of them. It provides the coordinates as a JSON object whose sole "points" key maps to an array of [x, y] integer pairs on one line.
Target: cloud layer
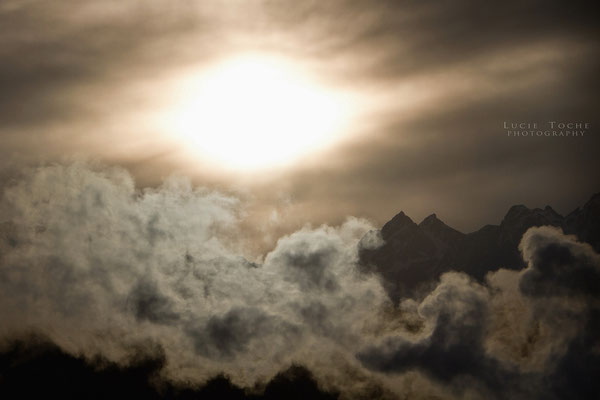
{"points": [[100, 268], [96, 266]]}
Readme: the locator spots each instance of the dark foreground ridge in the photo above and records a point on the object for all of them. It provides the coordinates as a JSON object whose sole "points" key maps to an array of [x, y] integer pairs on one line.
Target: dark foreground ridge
{"points": [[38, 369], [415, 255]]}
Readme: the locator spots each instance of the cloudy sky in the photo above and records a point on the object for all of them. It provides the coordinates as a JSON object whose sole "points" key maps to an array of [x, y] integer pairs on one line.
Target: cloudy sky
{"points": [[426, 88], [193, 181]]}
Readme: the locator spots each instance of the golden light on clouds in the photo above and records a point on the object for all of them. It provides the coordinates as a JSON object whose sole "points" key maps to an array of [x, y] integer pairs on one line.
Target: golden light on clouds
{"points": [[252, 112]]}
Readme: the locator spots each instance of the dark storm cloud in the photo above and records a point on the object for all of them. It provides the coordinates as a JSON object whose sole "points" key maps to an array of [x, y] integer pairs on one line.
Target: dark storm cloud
{"points": [[147, 303], [308, 262], [557, 356], [558, 267], [222, 337], [458, 310]]}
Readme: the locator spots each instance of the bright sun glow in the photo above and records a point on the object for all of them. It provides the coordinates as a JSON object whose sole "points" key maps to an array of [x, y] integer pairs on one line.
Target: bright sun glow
{"points": [[256, 112]]}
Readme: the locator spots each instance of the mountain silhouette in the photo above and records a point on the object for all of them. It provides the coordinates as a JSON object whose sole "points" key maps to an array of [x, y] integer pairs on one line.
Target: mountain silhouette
{"points": [[413, 256]]}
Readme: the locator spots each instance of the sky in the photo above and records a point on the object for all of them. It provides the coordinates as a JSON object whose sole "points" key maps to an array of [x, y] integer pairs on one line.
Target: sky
{"points": [[430, 86], [193, 181]]}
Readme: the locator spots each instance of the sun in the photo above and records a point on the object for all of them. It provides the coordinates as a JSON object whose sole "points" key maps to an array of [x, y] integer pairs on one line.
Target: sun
{"points": [[252, 112]]}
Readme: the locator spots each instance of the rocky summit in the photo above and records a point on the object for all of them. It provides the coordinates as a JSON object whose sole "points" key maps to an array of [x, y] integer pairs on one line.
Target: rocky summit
{"points": [[413, 256]]}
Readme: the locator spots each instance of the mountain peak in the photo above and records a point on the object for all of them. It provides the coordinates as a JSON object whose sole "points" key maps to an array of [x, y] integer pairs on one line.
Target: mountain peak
{"points": [[516, 210], [431, 221], [516, 214], [437, 229], [520, 218], [550, 212], [400, 221], [430, 218], [593, 201]]}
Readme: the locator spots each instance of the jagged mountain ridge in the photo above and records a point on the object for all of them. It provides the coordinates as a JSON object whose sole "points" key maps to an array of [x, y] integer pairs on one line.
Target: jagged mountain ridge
{"points": [[414, 255]]}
